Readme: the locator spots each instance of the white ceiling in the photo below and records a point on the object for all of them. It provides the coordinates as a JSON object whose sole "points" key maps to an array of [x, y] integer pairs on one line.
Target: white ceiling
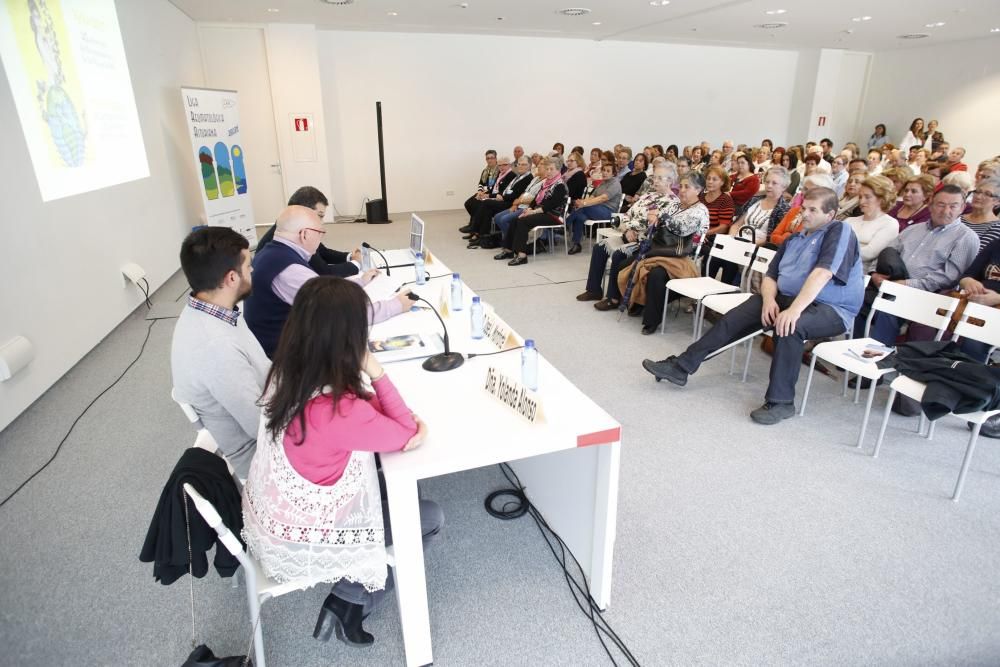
{"points": [[811, 23]]}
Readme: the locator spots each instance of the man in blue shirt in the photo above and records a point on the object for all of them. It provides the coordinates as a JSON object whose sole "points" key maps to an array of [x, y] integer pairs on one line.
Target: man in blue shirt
{"points": [[813, 289]]}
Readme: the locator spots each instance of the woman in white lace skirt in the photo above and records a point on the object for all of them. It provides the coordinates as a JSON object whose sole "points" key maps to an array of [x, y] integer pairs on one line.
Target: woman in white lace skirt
{"points": [[312, 507]]}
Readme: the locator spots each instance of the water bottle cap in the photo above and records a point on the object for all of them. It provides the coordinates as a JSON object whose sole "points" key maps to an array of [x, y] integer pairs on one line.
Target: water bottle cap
{"points": [[529, 344], [475, 299], [455, 276], [420, 255]]}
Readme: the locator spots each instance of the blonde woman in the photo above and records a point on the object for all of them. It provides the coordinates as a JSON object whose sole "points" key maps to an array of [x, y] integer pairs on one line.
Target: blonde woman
{"points": [[874, 228]]}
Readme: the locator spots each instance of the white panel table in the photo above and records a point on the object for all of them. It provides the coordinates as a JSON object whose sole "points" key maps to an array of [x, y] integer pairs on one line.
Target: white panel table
{"points": [[569, 463]]}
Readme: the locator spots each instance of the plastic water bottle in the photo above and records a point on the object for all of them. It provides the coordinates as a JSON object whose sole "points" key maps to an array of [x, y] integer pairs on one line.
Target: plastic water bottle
{"points": [[478, 318], [418, 266], [529, 365], [456, 292], [366, 259]]}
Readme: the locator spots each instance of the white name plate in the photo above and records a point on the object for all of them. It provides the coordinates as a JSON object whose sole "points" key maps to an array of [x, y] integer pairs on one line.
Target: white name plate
{"points": [[499, 332], [514, 395]]}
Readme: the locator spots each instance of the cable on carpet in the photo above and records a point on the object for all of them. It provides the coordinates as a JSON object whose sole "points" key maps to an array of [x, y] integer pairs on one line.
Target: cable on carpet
{"points": [[516, 506], [142, 349]]}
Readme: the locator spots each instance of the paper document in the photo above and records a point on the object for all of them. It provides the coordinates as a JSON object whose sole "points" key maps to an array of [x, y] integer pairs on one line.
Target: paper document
{"points": [[406, 346], [870, 353]]}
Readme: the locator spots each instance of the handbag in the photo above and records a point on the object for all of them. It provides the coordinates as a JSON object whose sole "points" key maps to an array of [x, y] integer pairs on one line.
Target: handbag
{"points": [[668, 244], [201, 655]]}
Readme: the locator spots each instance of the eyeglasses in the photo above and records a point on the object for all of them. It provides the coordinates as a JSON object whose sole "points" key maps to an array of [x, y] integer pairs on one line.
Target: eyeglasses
{"points": [[985, 193], [321, 232]]}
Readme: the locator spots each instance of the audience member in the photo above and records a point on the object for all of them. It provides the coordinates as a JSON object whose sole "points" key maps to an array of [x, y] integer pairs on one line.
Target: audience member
{"points": [[878, 138], [914, 207], [955, 156], [980, 217], [874, 228], [932, 129], [790, 161], [602, 202], [848, 205], [915, 136], [505, 199], [792, 221], [981, 284], [574, 177], [746, 184], [838, 171], [764, 211], [594, 168], [633, 181], [547, 208], [217, 366], [503, 219], [813, 289], [874, 162], [622, 157], [717, 200], [727, 155], [504, 176]]}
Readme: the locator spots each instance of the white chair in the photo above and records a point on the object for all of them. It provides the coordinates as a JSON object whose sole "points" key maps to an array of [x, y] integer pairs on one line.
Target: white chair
{"points": [[723, 303], [927, 308], [726, 248], [550, 230], [204, 439], [988, 333], [593, 227]]}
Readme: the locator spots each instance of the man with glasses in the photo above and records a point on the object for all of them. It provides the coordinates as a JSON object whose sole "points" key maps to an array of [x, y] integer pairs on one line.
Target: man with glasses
{"points": [[936, 254], [282, 267], [490, 193]]}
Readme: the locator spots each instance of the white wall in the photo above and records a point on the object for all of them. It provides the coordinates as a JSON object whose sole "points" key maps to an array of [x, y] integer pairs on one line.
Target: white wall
{"points": [[59, 280], [959, 84], [446, 98]]}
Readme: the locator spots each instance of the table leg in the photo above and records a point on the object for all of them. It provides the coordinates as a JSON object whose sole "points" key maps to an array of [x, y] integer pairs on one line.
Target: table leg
{"points": [[411, 586]]}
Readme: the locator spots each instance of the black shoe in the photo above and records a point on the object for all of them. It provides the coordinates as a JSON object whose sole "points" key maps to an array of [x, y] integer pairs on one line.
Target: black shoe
{"points": [[635, 310], [506, 254], [465, 230], [345, 618], [468, 236], [473, 244], [667, 369], [575, 249], [772, 413], [646, 330], [517, 261]]}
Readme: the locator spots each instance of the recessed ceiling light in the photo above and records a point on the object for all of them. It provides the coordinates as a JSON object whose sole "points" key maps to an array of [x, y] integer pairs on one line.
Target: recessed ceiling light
{"points": [[847, 32], [272, 10], [936, 24], [913, 35], [659, 3], [339, 3], [771, 26], [776, 12], [994, 29], [596, 23], [392, 13], [573, 11], [499, 18], [859, 19]]}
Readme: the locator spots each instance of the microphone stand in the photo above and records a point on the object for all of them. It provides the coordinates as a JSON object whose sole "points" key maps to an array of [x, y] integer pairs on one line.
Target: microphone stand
{"points": [[384, 260], [443, 361]]}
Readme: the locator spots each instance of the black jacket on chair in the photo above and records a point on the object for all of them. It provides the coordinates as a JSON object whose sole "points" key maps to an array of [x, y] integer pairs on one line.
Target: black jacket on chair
{"points": [[955, 381], [166, 545]]}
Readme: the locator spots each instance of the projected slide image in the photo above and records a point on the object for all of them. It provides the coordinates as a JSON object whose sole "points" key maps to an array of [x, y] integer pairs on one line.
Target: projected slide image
{"points": [[208, 173], [65, 64], [224, 170]]}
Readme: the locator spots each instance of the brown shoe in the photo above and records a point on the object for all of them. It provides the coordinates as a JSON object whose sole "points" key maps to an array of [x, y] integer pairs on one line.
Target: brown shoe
{"points": [[605, 304], [588, 296]]}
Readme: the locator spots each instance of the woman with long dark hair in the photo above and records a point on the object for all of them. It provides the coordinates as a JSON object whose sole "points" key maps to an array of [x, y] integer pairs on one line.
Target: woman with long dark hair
{"points": [[312, 506]]}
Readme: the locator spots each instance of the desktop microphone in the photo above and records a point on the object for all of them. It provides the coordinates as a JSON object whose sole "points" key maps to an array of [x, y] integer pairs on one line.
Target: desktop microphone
{"points": [[443, 361], [364, 244]]}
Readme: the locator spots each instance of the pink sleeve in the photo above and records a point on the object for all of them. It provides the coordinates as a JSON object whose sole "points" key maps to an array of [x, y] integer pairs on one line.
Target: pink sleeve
{"points": [[287, 283], [383, 424], [383, 310]]}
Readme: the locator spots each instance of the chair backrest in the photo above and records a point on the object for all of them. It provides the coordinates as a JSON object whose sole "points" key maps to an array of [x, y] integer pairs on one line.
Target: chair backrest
{"points": [[730, 249], [211, 516], [988, 332], [186, 409], [761, 260], [908, 303]]}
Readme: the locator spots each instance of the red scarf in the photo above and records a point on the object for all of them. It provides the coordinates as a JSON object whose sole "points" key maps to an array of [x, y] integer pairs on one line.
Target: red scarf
{"points": [[546, 184]]}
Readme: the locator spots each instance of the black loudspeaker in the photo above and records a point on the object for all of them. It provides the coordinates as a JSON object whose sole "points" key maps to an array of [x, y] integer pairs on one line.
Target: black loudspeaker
{"points": [[376, 213], [377, 210]]}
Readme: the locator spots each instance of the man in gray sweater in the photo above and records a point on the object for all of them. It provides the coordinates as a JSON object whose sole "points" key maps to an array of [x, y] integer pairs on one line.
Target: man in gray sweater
{"points": [[218, 366]]}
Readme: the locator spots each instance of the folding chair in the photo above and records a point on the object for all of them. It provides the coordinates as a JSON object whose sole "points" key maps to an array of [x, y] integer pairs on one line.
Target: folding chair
{"points": [[551, 230], [989, 333], [204, 439], [927, 308], [726, 248], [592, 227]]}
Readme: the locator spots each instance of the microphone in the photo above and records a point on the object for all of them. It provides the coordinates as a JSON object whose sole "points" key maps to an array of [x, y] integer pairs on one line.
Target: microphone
{"points": [[443, 361], [364, 244]]}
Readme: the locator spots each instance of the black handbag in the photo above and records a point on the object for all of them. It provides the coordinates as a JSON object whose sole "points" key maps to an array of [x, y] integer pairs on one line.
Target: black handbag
{"points": [[667, 244]]}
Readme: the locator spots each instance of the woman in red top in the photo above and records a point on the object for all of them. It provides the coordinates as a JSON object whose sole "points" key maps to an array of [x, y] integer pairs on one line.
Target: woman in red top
{"points": [[747, 183], [319, 409]]}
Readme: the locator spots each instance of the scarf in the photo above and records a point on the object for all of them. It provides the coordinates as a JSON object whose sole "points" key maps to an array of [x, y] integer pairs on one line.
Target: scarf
{"points": [[517, 179], [503, 172], [569, 173], [489, 176], [546, 184]]}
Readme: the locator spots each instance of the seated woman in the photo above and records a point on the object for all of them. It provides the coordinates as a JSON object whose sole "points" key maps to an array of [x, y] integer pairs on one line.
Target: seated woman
{"points": [[696, 159], [878, 138], [594, 168], [913, 207], [790, 161], [505, 218], [874, 228], [747, 183], [489, 208], [312, 505], [666, 253], [981, 283], [792, 221], [633, 229], [980, 217], [719, 204], [600, 205], [575, 177], [633, 181], [848, 205], [547, 208]]}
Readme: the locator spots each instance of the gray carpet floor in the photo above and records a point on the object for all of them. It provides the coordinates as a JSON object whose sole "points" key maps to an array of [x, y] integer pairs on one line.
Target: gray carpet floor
{"points": [[737, 544]]}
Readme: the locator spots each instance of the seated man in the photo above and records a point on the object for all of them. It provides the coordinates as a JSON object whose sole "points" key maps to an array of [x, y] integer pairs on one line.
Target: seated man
{"points": [[513, 188], [325, 262], [218, 366], [813, 289], [936, 254], [486, 180], [282, 267], [488, 195]]}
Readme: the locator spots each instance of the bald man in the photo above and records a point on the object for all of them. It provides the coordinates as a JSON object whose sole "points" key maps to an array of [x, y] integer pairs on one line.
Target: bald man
{"points": [[282, 267]]}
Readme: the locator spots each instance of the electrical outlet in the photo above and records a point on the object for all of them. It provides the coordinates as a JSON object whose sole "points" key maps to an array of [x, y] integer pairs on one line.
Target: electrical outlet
{"points": [[449, 193]]}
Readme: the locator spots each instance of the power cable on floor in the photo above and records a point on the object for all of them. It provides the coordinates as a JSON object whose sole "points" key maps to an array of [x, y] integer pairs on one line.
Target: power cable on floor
{"points": [[142, 349], [517, 506]]}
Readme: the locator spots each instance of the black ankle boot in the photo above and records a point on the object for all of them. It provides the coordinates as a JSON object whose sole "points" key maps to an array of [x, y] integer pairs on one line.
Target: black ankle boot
{"points": [[346, 619]]}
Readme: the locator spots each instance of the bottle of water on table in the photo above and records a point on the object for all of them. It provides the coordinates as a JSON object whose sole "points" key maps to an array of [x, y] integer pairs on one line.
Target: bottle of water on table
{"points": [[418, 267], [529, 365], [456, 292], [478, 318], [366, 259]]}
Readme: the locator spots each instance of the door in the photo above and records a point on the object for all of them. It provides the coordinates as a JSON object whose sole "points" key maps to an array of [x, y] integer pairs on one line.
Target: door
{"points": [[235, 59]]}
